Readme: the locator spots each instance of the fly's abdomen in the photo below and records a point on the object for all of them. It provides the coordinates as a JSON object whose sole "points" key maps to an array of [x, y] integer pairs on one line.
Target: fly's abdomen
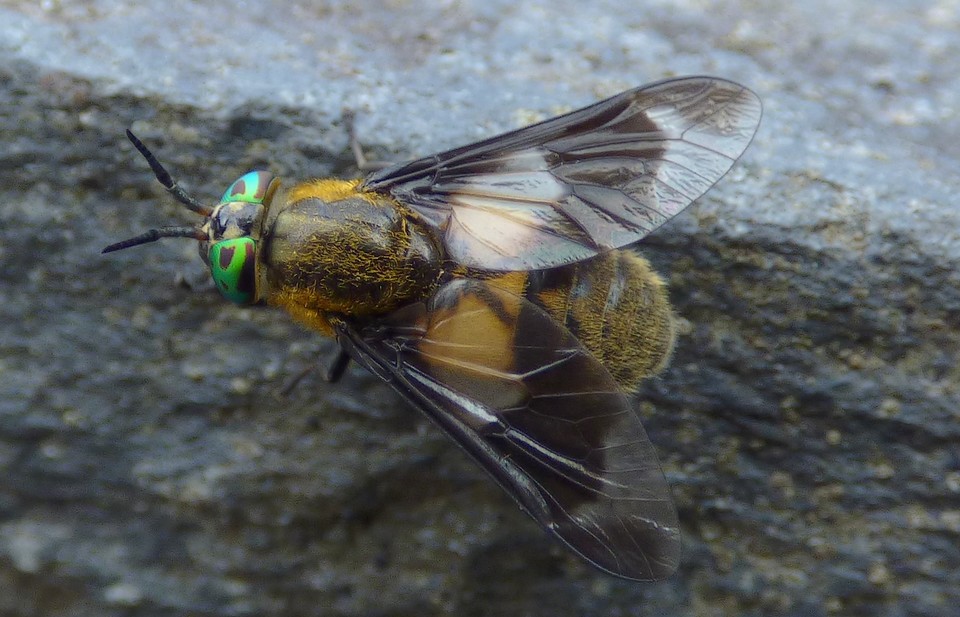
{"points": [[617, 306]]}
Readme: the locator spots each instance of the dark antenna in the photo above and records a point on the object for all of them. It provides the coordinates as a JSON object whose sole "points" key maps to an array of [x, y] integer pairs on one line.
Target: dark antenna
{"points": [[179, 194], [155, 234], [167, 181]]}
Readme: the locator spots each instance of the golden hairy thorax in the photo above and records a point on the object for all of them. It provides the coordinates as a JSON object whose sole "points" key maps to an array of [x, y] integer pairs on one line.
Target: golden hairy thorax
{"points": [[332, 250]]}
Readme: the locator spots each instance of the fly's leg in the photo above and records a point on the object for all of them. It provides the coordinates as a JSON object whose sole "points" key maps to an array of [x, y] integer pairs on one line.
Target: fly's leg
{"points": [[331, 374], [364, 165], [337, 366]]}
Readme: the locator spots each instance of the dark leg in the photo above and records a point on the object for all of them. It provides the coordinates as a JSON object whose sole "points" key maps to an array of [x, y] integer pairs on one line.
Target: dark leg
{"points": [[336, 368], [331, 374], [359, 157]]}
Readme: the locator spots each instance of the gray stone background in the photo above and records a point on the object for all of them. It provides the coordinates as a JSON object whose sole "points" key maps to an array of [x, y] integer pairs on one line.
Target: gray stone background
{"points": [[809, 425]]}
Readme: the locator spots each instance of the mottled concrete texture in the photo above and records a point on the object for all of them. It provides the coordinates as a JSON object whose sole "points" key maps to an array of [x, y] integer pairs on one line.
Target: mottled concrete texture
{"points": [[809, 425]]}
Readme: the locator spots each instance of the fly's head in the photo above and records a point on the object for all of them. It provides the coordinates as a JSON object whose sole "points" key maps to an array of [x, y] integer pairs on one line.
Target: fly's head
{"points": [[230, 231]]}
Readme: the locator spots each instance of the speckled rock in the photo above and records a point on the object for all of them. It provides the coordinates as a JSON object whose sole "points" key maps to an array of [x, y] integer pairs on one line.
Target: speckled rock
{"points": [[809, 424]]}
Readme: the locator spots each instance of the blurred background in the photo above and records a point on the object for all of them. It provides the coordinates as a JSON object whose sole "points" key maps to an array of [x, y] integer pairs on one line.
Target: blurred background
{"points": [[809, 424]]}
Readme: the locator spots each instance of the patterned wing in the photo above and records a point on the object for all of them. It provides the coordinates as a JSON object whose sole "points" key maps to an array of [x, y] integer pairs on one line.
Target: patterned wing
{"points": [[538, 412], [573, 186]]}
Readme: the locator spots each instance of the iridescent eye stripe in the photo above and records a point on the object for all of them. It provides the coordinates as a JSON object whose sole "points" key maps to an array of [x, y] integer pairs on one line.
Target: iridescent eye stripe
{"points": [[233, 265], [251, 187]]}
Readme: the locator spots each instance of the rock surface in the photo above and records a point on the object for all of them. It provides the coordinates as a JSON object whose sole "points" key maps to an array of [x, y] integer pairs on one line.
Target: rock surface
{"points": [[809, 425]]}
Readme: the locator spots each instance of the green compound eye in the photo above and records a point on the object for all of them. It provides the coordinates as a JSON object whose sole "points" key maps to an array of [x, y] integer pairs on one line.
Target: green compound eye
{"points": [[252, 187], [233, 264]]}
